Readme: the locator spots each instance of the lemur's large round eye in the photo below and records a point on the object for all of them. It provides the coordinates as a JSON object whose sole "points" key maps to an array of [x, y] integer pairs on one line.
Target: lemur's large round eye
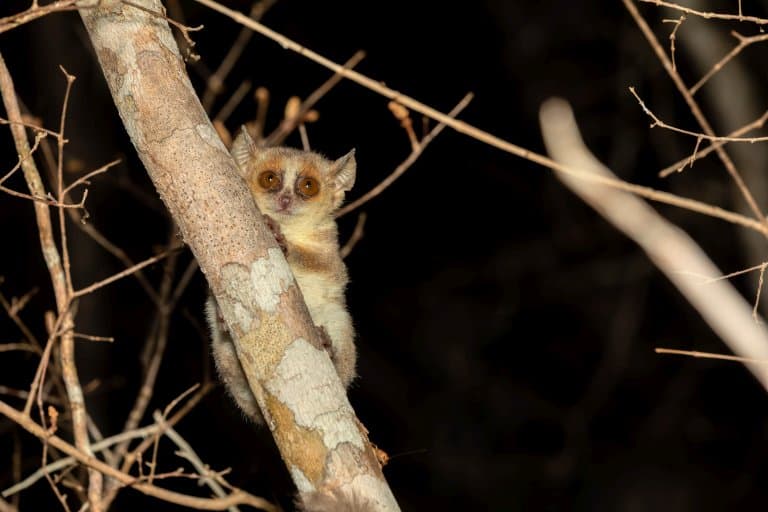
{"points": [[307, 187], [269, 180]]}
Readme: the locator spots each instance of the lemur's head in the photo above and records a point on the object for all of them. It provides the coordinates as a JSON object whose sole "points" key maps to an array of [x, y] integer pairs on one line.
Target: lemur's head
{"points": [[288, 183]]}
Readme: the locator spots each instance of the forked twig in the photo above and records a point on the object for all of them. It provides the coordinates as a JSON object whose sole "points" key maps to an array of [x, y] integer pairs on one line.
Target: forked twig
{"points": [[694, 108], [680, 164]]}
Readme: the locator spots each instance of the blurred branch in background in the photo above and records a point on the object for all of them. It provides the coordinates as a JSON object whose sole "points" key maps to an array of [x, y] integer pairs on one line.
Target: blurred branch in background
{"points": [[671, 249]]}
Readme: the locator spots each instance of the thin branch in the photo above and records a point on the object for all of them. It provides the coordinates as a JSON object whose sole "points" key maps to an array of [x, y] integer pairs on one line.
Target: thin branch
{"points": [[37, 381], [743, 43], [709, 355], [60, 179], [145, 432], [127, 272], [34, 127], [45, 200], [733, 274], [680, 164], [701, 136], [759, 291], [183, 282], [233, 101], [83, 180], [13, 314], [23, 347], [709, 15], [672, 36], [357, 235], [35, 12], [304, 137], [38, 137]]}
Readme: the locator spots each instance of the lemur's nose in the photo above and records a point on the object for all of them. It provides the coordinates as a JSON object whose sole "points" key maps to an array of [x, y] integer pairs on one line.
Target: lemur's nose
{"points": [[284, 202]]}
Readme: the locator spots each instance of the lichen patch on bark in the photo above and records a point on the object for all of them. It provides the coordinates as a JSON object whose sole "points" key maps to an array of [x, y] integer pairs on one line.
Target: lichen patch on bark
{"points": [[302, 448], [270, 278], [260, 288], [305, 368], [271, 337]]}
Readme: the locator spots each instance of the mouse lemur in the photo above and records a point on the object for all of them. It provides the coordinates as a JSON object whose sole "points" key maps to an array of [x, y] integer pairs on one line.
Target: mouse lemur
{"points": [[298, 193]]}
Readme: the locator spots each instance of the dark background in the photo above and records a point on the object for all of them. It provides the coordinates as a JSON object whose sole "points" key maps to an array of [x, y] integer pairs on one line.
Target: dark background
{"points": [[505, 331]]}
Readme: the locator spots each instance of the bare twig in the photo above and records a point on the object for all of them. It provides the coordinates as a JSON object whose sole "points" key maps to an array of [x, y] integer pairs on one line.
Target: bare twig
{"points": [[304, 137], [709, 355], [35, 12], [13, 314], [709, 15], [83, 180], [38, 137], [125, 273], [37, 381], [357, 235], [758, 292], [744, 41], [233, 102], [24, 347], [680, 164], [700, 136], [672, 36]]}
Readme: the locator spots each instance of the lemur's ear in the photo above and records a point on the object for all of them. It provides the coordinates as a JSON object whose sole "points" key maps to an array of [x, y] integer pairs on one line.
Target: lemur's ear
{"points": [[345, 171], [243, 149]]}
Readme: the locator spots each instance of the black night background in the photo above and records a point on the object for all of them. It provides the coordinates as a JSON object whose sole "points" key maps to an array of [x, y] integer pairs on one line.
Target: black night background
{"points": [[506, 332]]}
